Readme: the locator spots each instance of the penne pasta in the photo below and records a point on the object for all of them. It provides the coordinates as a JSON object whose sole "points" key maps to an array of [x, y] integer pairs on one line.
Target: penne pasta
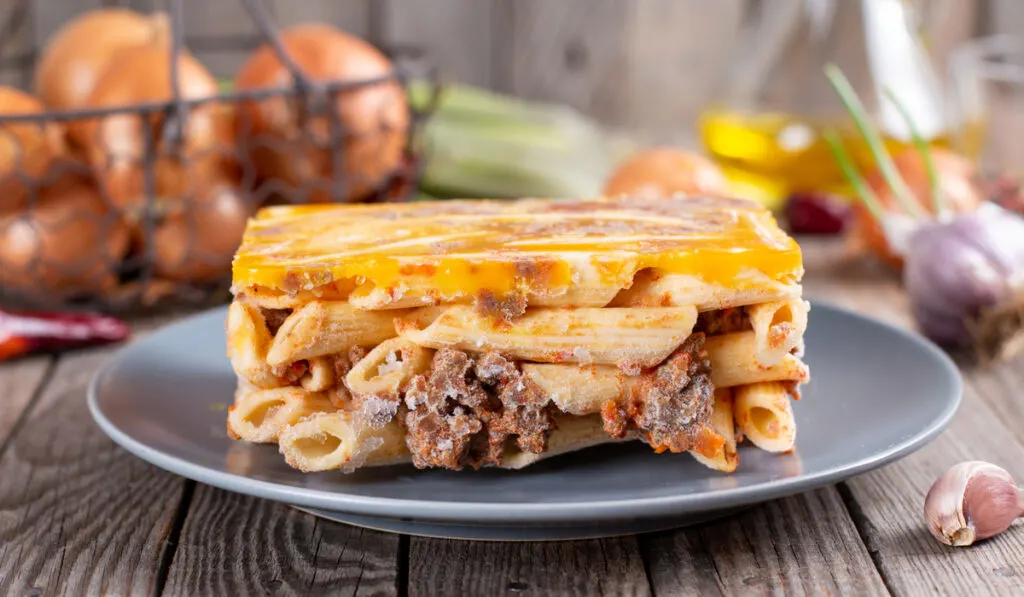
{"points": [[371, 297], [733, 362], [726, 458], [764, 415], [467, 334], [387, 369], [570, 435], [778, 327], [339, 440], [259, 416], [576, 390], [625, 337], [320, 376], [582, 390], [651, 288], [248, 341], [577, 296], [322, 328]]}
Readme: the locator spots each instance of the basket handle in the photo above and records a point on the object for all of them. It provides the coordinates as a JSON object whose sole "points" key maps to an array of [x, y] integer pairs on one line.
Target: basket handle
{"points": [[173, 130], [311, 101]]}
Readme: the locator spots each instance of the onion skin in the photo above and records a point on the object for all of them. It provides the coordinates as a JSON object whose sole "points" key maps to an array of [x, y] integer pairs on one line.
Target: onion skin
{"points": [[374, 118], [115, 145], [664, 171], [26, 148], [76, 55], [79, 240], [957, 269], [959, 193], [197, 241]]}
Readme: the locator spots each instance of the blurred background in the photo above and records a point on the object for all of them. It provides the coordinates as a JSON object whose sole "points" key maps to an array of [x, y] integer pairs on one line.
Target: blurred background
{"points": [[507, 98], [649, 65]]}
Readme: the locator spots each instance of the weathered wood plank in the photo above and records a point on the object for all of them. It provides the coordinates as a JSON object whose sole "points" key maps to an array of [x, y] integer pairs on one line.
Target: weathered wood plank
{"points": [[50, 15], [678, 51], [233, 544], [600, 567], [570, 51], [803, 545], [650, 65], [353, 16], [456, 33], [18, 46], [1003, 16], [19, 382], [78, 514], [887, 504]]}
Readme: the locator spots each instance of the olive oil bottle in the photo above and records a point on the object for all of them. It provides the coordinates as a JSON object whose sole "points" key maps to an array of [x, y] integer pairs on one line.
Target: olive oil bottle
{"points": [[766, 130]]}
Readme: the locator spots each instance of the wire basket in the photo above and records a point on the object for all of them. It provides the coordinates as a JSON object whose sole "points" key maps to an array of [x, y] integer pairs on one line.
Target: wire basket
{"points": [[124, 208]]}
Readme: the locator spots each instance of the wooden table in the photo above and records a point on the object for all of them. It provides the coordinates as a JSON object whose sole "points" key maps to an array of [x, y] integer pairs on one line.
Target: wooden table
{"points": [[80, 515]]}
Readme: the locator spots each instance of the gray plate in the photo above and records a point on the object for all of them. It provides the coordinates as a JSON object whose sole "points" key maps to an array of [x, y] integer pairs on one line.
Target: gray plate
{"points": [[878, 393]]}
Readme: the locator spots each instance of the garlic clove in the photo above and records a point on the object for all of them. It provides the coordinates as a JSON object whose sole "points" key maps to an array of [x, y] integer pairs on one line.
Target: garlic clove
{"points": [[972, 501]]}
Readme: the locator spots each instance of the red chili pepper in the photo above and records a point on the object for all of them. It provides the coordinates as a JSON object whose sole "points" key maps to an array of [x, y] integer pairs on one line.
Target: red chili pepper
{"points": [[26, 333]]}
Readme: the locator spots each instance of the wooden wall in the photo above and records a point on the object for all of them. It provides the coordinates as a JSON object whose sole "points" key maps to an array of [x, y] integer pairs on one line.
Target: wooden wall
{"points": [[647, 65]]}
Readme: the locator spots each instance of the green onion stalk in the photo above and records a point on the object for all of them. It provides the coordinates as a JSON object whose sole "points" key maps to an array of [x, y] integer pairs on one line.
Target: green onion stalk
{"points": [[963, 273]]}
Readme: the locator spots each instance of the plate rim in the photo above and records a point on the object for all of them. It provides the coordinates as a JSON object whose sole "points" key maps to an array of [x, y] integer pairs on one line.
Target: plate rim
{"points": [[485, 512]]}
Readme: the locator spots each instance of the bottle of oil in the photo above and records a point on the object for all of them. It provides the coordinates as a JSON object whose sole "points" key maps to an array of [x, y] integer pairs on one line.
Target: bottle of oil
{"points": [[766, 129]]}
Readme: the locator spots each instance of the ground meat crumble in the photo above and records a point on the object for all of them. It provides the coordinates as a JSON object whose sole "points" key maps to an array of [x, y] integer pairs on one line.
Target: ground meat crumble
{"points": [[723, 321], [274, 318], [462, 412], [669, 406]]}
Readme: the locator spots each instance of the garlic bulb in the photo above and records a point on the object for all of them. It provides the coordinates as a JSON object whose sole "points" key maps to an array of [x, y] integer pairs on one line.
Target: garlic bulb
{"points": [[972, 501]]}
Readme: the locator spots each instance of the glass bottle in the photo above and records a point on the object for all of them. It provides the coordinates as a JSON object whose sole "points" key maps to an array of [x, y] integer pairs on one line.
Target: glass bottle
{"points": [[765, 131]]}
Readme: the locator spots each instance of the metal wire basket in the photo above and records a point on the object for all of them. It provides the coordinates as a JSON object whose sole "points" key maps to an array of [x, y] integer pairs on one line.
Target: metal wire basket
{"points": [[127, 208]]}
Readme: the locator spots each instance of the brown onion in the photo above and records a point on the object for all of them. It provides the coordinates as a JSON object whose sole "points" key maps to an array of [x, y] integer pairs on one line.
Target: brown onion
{"points": [[26, 148], [115, 145], [76, 55], [374, 118], [960, 194], [68, 242], [662, 171], [196, 241]]}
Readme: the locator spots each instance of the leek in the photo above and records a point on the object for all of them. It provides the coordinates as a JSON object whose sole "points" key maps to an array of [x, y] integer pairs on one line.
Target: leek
{"points": [[483, 144]]}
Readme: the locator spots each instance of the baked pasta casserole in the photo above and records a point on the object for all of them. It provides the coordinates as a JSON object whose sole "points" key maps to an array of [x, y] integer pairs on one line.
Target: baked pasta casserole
{"points": [[476, 333]]}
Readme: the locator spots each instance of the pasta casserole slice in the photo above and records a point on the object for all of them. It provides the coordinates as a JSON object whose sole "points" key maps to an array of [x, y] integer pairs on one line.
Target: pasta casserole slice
{"points": [[486, 333]]}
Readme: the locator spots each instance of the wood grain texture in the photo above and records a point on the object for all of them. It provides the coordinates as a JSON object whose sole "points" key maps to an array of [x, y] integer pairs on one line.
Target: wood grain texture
{"points": [[232, 544], [50, 15], [19, 382], [677, 52], [803, 545], [887, 504], [17, 47], [353, 16], [570, 51], [600, 567], [78, 514], [456, 33], [1002, 16]]}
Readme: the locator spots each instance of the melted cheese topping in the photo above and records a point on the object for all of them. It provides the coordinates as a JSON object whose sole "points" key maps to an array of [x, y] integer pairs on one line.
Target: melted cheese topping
{"points": [[452, 249]]}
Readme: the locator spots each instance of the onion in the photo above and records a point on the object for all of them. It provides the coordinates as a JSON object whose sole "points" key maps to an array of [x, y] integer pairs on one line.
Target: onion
{"points": [[965, 279], [26, 149], [115, 145], [76, 55], [374, 118], [663, 171], [964, 257], [69, 242], [196, 242], [955, 179]]}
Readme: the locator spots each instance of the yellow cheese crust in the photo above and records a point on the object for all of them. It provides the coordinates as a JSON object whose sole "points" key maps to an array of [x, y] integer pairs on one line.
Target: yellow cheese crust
{"points": [[448, 251]]}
